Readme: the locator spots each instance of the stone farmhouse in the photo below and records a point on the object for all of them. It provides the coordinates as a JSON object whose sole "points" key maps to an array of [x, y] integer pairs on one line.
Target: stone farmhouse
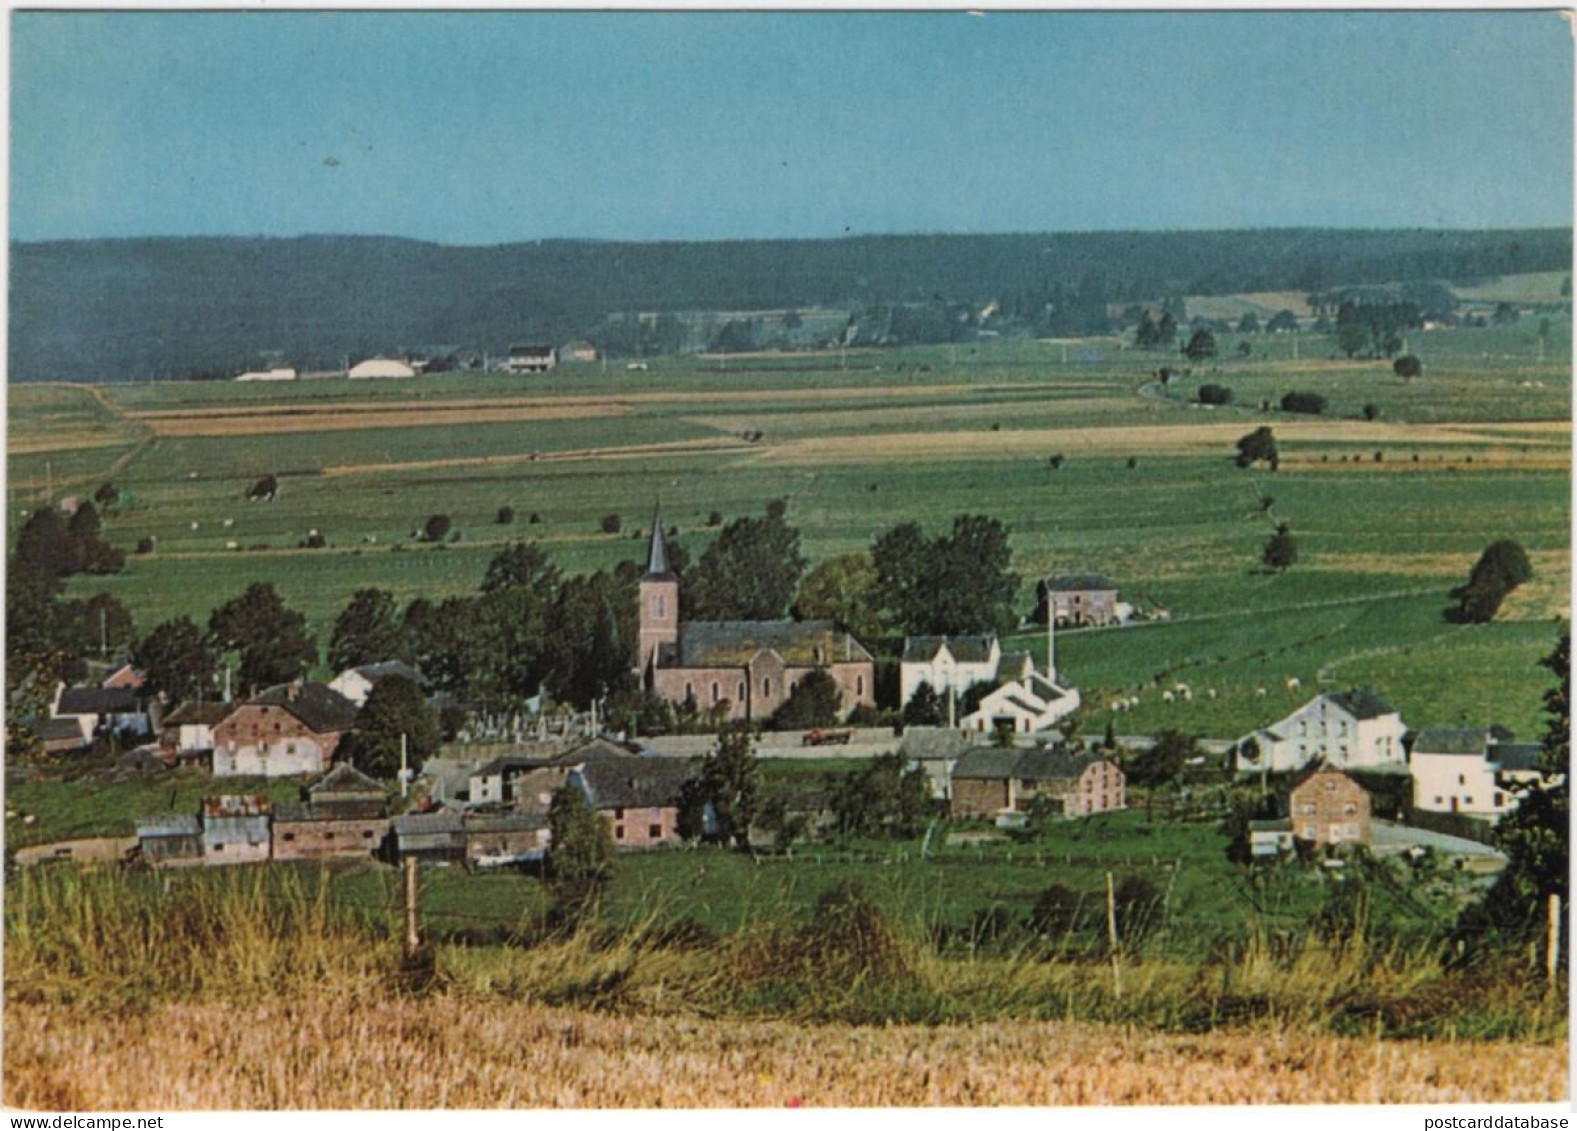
{"points": [[991, 781], [1353, 729], [1329, 808], [747, 668], [342, 814], [638, 797], [1078, 599], [954, 664], [1468, 770], [290, 729]]}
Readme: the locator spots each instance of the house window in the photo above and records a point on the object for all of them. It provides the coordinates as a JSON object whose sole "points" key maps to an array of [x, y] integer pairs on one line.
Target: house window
{"points": [[1308, 808], [1440, 801], [219, 848], [618, 832], [1467, 801], [689, 691], [659, 605], [290, 836], [657, 814], [1350, 808], [655, 832], [741, 691], [715, 690], [1461, 779], [618, 814], [859, 685], [366, 834], [1500, 800], [766, 687]]}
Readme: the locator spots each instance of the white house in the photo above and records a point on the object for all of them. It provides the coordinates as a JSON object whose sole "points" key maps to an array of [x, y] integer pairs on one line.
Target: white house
{"points": [[947, 663], [190, 727], [1031, 703], [1354, 729], [1467, 771], [380, 367], [530, 359], [357, 683]]}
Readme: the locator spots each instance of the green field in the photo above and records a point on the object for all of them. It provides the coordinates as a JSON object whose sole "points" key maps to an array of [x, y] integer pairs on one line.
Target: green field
{"points": [[1476, 449]]}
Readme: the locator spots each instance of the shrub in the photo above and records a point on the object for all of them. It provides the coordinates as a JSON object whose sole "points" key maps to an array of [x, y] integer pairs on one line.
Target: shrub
{"points": [[612, 523], [1311, 403], [1215, 394], [435, 528], [506, 515], [715, 518], [1371, 412], [146, 544], [1407, 367], [536, 517]]}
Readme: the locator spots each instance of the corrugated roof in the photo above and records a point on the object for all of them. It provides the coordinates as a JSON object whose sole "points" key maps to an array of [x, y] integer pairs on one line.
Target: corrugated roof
{"points": [[237, 805], [172, 824], [516, 822], [704, 644], [318, 705], [1452, 740], [1362, 702], [289, 812], [426, 824]]}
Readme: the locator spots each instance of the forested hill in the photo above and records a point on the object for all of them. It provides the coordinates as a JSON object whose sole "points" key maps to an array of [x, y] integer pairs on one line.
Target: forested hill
{"points": [[140, 308]]}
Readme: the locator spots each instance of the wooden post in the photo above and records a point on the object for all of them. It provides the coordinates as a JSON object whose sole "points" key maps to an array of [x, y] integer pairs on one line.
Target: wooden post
{"points": [[413, 934], [1552, 948], [1111, 935]]}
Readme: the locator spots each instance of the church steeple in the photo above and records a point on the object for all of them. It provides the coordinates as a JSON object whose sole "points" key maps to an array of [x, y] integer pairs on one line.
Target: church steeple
{"points": [[657, 557]]}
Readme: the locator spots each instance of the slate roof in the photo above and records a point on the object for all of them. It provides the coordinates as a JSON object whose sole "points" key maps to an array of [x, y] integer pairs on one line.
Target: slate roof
{"points": [[1027, 765], [98, 701], [657, 554], [318, 705], [1278, 825], [512, 822], [1362, 703], [383, 669], [635, 783], [293, 812], [56, 730], [1012, 663], [1515, 755], [965, 649], [344, 780], [193, 713], [1076, 582], [1470, 741], [731, 644], [427, 824], [933, 742]]}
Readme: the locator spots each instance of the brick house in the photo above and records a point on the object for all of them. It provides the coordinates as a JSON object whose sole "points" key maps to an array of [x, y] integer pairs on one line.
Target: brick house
{"points": [[342, 814], [994, 780], [293, 728], [748, 668], [1078, 599], [638, 797], [1328, 807]]}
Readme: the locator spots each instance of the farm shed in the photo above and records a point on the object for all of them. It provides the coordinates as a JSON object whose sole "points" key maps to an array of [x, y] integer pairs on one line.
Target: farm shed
{"points": [[936, 750], [235, 829], [505, 838], [65, 735], [173, 841], [1269, 839], [991, 781], [436, 837]]}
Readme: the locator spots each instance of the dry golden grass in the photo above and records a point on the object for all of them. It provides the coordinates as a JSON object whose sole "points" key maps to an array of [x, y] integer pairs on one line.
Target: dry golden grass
{"points": [[449, 1052], [954, 414], [631, 451], [42, 443]]}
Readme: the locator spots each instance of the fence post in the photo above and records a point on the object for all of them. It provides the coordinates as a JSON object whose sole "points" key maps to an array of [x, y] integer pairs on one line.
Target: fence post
{"points": [[1552, 948], [413, 890], [1111, 935]]}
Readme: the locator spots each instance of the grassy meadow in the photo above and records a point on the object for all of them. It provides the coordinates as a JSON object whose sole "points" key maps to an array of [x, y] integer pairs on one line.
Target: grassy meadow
{"points": [[1389, 513]]}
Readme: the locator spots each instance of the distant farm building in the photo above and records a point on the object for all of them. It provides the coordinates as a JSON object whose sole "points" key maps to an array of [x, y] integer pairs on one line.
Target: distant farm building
{"points": [[1469, 771], [1078, 599], [988, 782], [530, 359], [1348, 729], [268, 375], [578, 351], [380, 367]]}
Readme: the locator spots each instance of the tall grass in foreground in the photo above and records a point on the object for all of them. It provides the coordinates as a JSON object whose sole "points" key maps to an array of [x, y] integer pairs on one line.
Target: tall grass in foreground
{"points": [[107, 940]]}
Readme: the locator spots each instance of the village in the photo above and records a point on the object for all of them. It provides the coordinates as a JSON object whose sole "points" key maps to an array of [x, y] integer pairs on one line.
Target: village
{"points": [[1341, 772]]}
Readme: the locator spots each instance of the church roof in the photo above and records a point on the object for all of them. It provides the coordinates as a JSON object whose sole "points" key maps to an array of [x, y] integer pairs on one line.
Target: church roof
{"points": [[657, 556], [734, 643]]}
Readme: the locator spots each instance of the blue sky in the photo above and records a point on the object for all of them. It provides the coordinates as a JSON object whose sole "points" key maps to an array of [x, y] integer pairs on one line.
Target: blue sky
{"points": [[491, 127]]}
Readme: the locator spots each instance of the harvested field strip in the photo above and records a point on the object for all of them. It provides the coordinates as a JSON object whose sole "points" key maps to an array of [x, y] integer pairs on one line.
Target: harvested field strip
{"points": [[345, 419], [945, 415], [1152, 439], [42, 443], [488, 404], [414, 1053], [633, 451], [1481, 461]]}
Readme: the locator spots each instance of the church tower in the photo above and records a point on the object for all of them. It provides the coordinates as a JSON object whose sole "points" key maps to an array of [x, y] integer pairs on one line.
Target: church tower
{"points": [[659, 596]]}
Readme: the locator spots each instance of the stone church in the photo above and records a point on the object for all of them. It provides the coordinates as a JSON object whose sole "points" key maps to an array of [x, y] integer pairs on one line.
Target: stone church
{"points": [[751, 666]]}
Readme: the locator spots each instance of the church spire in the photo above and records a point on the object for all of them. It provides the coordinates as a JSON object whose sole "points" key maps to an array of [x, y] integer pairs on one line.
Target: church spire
{"points": [[657, 559]]}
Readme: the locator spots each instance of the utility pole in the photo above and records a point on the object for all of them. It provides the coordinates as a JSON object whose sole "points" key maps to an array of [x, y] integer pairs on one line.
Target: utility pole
{"points": [[404, 775], [413, 896], [1051, 636], [1552, 948], [104, 645]]}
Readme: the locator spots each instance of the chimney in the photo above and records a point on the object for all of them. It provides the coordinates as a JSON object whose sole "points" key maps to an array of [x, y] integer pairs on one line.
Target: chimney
{"points": [[293, 690]]}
